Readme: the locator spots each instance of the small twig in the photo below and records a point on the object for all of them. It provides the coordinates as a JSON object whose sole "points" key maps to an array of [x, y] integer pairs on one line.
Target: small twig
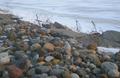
{"points": [[94, 25], [37, 19], [77, 26]]}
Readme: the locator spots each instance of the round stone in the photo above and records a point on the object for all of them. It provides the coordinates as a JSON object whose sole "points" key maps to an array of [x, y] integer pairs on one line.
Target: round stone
{"points": [[74, 75], [114, 74], [107, 66], [14, 72]]}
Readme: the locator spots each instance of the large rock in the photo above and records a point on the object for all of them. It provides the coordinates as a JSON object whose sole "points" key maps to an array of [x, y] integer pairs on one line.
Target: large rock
{"points": [[107, 66], [111, 69], [110, 39]]}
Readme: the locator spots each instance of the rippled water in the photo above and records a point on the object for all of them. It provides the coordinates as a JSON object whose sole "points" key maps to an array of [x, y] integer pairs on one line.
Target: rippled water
{"points": [[105, 13]]}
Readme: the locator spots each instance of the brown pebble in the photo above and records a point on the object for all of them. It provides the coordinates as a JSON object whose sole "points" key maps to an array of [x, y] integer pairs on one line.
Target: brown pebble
{"points": [[92, 46], [49, 46]]}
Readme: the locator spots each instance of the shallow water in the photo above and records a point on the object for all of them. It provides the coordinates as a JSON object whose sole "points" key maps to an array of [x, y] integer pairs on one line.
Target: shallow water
{"points": [[104, 13]]}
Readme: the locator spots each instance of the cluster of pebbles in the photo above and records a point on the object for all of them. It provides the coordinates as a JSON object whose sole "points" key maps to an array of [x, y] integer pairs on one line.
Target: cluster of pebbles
{"points": [[30, 51]]}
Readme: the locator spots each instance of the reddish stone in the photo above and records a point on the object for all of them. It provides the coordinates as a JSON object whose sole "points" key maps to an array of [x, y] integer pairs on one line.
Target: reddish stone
{"points": [[14, 72]]}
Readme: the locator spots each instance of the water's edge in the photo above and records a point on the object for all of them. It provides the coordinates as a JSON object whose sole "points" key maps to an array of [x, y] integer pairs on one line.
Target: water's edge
{"points": [[105, 13]]}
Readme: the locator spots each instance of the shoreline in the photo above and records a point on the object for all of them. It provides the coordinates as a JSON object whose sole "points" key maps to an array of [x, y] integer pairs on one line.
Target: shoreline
{"points": [[71, 31]]}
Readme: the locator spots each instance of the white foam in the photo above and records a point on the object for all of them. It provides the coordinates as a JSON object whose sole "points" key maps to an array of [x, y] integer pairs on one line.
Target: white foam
{"points": [[105, 49]]}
